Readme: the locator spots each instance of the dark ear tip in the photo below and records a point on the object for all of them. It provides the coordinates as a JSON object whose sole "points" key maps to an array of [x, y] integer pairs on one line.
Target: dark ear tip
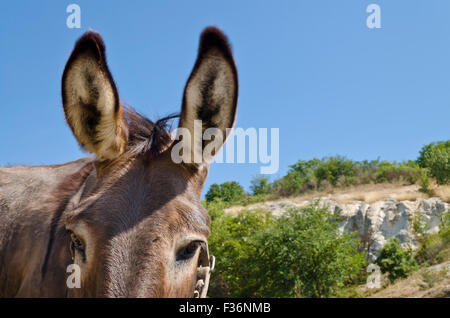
{"points": [[213, 37], [90, 41]]}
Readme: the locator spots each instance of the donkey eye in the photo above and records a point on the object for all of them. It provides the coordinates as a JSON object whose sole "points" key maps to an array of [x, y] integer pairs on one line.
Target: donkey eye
{"points": [[77, 245], [188, 251], [76, 241]]}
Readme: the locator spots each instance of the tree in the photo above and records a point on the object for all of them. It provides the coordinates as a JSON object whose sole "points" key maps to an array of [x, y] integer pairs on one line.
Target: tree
{"points": [[438, 163], [301, 253], [231, 241], [213, 192], [260, 185], [227, 191], [305, 254], [298, 178], [333, 168], [231, 191], [421, 160]]}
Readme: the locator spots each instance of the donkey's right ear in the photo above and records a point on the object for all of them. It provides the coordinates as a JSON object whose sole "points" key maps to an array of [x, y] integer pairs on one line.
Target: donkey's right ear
{"points": [[211, 92], [90, 100]]}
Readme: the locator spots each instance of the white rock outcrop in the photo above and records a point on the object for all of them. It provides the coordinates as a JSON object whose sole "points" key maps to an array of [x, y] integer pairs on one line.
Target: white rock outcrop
{"points": [[379, 221]]}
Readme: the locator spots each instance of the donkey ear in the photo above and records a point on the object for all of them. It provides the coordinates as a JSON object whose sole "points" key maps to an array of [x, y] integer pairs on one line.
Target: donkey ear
{"points": [[211, 91], [90, 100]]}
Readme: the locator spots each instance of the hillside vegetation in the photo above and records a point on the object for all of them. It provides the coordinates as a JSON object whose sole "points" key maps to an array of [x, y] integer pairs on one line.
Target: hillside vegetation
{"points": [[300, 253]]}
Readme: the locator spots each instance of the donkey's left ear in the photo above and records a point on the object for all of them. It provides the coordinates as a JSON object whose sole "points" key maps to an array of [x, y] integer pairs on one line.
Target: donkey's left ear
{"points": [[211, 92], [90, 100]]}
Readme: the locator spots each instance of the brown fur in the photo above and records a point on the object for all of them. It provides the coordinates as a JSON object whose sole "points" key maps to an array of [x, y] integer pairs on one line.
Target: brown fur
{"points": [[133, 210]]}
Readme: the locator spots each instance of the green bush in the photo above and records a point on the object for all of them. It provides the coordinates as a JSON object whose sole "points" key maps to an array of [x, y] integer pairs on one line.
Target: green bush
{"points": [[436, 247], [365, 171], [432, 249], [260, 185], [231, 191], [216, 208], [231, 242], [419, 224], [213, 193], [300, 253], [424, 181], [338, 171], [421, 160], [396, 261], [227, 191], [444, 226], [397, 172], [305, 255], [436, 157], [438, 163], [334, 170], [300, 178]]}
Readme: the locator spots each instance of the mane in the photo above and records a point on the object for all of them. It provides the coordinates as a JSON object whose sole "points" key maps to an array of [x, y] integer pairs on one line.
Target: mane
{"points": [[145, 136]]}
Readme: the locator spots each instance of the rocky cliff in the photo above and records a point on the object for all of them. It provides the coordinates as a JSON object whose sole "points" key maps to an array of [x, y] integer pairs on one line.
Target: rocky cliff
{"points": [[375, 222]]}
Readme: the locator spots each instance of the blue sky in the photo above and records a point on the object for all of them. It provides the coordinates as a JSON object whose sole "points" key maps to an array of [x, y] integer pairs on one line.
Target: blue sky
{"points": [[311, 68]]}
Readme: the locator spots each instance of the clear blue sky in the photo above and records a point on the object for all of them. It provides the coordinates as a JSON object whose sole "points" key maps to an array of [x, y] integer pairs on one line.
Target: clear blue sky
{"points": [[311, 68]]}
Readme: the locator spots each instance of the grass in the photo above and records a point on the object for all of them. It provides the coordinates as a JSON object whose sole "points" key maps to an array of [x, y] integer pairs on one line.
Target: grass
{"points": [[431, 278], [442, 192], [368, 193], [427, 282]]}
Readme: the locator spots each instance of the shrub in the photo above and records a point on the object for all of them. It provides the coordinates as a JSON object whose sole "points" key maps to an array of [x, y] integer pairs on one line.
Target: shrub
{"points": [[338, 171], [216, 208], [421, 160], [366, 171], [438, 163], [213, 192], [430, 251], [315, 174], [230, 242], [436, 157], [444, 226], [436, 247], [299, 178], [291, 183], [260, 185], [298, 254], [396, 261], [334, 169], [419, 224], [305, 255], [424, 181], [397, 172], [227, 191], [231, 191]]}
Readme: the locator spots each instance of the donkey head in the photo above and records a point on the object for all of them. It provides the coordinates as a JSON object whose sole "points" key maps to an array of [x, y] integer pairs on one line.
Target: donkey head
{"points": [[136, 226]]}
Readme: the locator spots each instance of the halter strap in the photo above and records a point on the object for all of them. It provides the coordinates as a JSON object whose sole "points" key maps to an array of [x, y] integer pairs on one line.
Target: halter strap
{"points": [[206, 265]]}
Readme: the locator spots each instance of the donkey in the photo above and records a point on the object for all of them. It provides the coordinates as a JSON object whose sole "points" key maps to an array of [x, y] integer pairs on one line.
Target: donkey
{"points": [[129, 218]]}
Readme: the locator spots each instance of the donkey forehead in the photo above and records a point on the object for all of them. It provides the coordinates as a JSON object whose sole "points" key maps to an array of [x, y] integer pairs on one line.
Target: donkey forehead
{"points": [[155, 196]]}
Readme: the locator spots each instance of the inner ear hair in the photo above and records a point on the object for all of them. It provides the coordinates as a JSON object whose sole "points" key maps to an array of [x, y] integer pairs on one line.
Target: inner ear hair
{"points": [[211, 91], [90, 99]]}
